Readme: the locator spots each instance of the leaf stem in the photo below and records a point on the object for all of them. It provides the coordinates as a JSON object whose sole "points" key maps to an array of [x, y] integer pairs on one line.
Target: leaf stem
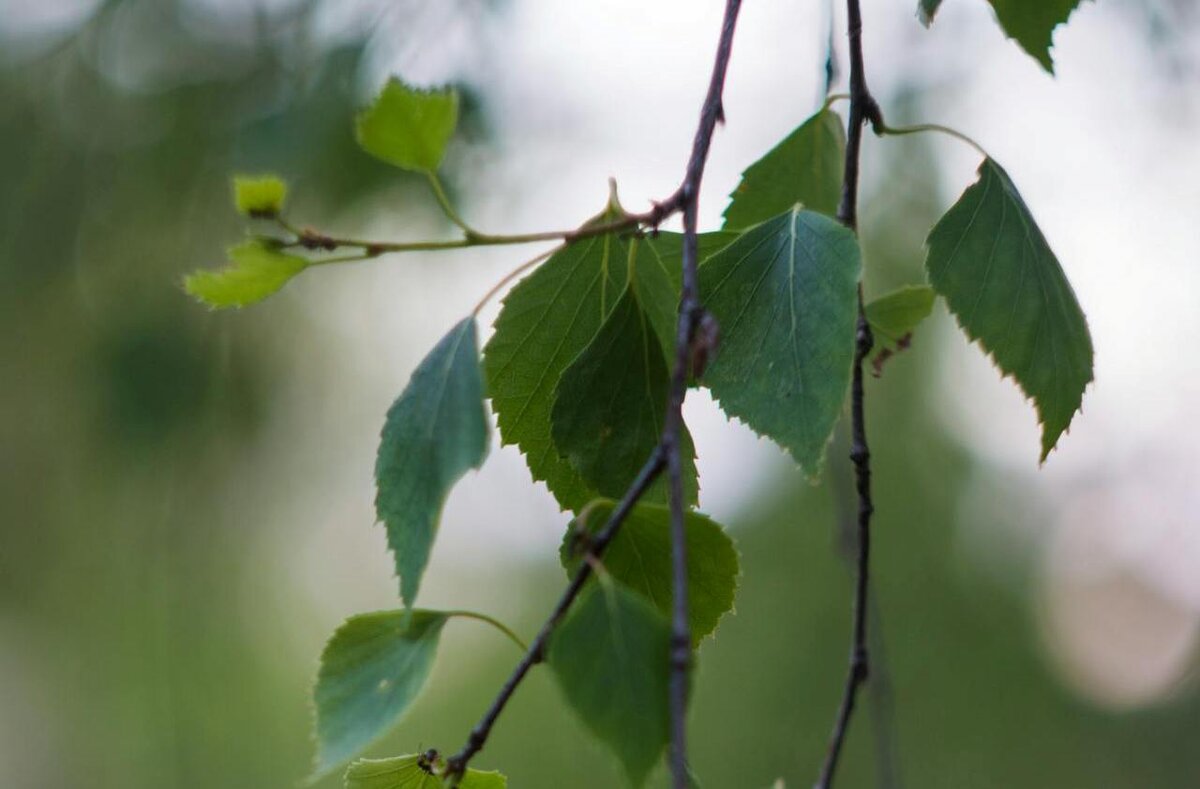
{"points": [[447, 207], [898, 131], [496, 623], [313, 240], [510, 276], [863, 109]]}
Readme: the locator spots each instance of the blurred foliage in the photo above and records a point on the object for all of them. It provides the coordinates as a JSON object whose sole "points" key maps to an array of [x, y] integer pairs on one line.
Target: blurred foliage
{"points": [[125, 656]]}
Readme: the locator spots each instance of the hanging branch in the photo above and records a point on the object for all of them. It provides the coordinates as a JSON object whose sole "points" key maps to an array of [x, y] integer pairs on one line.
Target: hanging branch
{"points": [[666, 456], [863, 109], [688, 344]]}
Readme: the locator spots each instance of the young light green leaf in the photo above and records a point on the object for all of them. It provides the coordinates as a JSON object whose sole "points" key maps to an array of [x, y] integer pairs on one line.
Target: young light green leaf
{"points": [[989, 260], [256, 269], [894, 317], [259, 197], [371, 671], [806, 168], [784, 295], [926, 10], [610, 402], [435, 432], [409, 127], [640, 558], [610, 659], [413, 772], [1031, 23]]}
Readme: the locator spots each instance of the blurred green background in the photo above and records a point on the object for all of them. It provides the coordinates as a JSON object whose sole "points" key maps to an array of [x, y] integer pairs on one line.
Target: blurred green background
{"points": [[185, 496]]}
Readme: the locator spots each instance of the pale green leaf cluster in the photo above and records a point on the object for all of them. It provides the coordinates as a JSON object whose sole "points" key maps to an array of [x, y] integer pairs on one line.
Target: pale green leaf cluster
{"points": [[409, 127], [413, 772], [990, 262], [785, 296], [257, 268], [640, 558], [371, 672], [259, 197], [435, 432]]}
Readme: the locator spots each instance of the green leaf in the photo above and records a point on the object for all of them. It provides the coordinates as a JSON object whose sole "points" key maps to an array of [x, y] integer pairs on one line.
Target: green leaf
{"points": [[260, 197], [894, 317], [256, 269], [1031, 23], [371, 671], [409, 127], [549, 318], [408, 772], [992, 264], [435, 432], [640, 558], [610, 659], [610, 403], [926, 10], [785, 297], [806, 168]]}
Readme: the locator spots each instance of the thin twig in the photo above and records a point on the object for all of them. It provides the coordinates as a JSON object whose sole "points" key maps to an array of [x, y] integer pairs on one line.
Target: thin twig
{"points": [[690, 315], [306, 238], [863, 109], [456, 765], [665, 456]]}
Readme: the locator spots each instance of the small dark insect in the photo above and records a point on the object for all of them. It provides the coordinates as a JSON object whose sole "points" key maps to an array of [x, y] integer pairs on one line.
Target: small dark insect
{"points": [[429, 760]]}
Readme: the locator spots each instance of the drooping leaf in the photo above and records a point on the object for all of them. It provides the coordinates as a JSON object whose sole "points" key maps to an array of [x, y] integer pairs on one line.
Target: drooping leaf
{"points": [[926, 10], [806, 168], [435, 432], [784, 295], [640, 558], [413, 772], [989, 260], [371, 671], [610, 659], [409, 127], [1031, 23], [256, 269], [610, 402], [259, 196], [894, 317]]}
